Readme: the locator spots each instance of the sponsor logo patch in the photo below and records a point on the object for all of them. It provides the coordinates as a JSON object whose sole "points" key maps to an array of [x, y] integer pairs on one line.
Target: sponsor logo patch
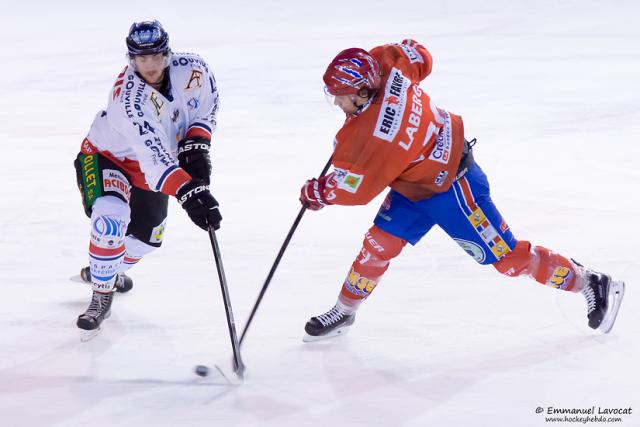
{"points": [[359, 285], [488, 233], [193, 103], [472, 249], [114, 180], [412, 54], [157, 233], [374, 244], [393, 104], [87, 148], [393, 100], [442, 149], [477, 217], [89, 164], [498, 247], [108, 230], [351, 182], [339, 174], [561, 278], [441, 178], [186, 60]]}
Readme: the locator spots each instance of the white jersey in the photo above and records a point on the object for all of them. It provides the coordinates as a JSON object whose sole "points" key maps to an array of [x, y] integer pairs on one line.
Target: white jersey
{"points": [[141, 127]]}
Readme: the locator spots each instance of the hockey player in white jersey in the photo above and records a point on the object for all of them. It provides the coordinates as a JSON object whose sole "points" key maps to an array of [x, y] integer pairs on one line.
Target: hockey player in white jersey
{"points": [[151, 142]]}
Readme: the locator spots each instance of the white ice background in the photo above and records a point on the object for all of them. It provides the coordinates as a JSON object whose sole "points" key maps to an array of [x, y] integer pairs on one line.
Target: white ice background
{"points": [[550, 89]]}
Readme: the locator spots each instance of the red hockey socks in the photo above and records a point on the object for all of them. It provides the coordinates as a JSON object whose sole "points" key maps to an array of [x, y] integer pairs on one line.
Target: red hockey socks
{"points": [[542, 264], [378, 249]]}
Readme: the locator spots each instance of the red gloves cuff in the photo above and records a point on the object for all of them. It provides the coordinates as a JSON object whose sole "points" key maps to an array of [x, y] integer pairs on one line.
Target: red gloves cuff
{"points": [[312, 194]]}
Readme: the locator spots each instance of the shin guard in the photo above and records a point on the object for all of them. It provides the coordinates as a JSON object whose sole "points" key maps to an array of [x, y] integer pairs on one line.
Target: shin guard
{"points": [[540, 263], [378, 249], [136, 250], [109, 220]]}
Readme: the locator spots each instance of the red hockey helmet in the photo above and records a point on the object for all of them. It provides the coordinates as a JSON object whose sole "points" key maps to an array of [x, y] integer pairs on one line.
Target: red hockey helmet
{"points": [[351, 70]]}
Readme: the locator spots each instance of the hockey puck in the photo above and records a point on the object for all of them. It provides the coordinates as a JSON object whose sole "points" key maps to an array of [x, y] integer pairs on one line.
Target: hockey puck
{"points": [[202, 370]]}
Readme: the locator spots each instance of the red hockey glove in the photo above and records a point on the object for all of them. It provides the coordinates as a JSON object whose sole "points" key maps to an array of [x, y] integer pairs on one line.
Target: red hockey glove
{"points": [[312, 194]]}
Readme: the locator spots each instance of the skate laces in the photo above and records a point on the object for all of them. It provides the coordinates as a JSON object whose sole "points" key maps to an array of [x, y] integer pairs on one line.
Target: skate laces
{"points": [[98, 303], [332, 316], [590, 296]]}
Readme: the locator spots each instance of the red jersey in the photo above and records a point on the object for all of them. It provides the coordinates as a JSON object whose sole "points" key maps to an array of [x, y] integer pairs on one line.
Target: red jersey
{"points": [[399, 139]]}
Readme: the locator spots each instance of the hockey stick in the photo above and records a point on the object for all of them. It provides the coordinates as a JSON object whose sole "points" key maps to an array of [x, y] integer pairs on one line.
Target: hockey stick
{"points": [[238, 366], [278, 258]]}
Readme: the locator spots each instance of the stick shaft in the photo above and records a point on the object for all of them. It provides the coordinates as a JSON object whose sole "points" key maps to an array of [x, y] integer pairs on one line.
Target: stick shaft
{"points": [[238, 367], [283, 248]]}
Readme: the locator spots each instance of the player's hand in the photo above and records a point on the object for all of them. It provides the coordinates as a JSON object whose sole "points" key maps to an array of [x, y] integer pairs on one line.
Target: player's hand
{"points": [[201, 206], [193, 157], [312, 194]]}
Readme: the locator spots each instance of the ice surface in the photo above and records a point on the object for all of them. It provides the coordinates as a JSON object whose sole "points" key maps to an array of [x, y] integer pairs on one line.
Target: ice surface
{"points": [[550, 89]]}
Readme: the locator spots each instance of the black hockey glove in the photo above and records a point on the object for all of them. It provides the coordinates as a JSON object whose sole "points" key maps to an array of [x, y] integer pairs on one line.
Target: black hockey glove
{"points": [[193, 157], [197, 200]]}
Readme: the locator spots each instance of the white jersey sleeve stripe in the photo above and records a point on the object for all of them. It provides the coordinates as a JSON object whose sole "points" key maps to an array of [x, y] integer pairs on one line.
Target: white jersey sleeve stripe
{"points": [[165, 177]]}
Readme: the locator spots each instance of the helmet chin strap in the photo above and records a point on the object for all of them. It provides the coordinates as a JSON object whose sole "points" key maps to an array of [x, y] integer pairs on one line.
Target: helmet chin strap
{"points": [[360, 108]]}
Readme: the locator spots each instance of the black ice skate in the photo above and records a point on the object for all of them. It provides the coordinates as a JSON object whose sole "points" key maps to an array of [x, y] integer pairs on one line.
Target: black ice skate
{"points": [[123, 282], [99, 309], [330, 324], [604, 297]]}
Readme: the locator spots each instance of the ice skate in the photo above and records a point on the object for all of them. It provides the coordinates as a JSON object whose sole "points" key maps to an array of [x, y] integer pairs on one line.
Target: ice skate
{"points": [[123, 282], [604, 297], [99, 309], [333, 323]]}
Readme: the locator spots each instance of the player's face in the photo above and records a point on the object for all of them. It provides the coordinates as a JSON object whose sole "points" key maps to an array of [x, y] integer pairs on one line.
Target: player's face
{"points": [[347, 103], [150, 67]]}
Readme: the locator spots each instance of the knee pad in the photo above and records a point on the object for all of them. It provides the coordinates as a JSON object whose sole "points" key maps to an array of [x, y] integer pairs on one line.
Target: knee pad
{"points": [[109, 221], [379, 244], [378, 249], [107, 231], [137, 248], [516, 262]]}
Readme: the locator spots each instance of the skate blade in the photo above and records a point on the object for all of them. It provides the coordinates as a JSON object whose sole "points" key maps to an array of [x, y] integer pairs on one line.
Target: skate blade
{"points": [[616, 293], [335, 333], [88, 335]]}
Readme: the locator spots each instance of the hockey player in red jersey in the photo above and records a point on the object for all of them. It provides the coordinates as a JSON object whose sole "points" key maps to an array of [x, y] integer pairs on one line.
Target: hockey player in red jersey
{"points": [[394, 136], [151, 142]]}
